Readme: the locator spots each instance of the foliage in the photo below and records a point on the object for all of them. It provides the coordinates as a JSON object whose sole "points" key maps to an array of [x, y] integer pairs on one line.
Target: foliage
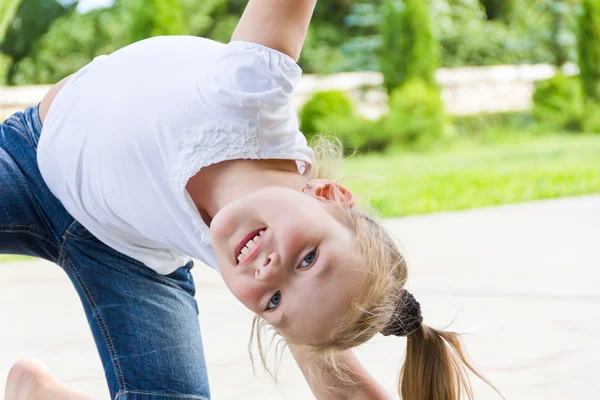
{"points": [[8, 9], [72, 42], [558, 101], [409, 49], [223, 28], [322, 49], [75, 39], [155, 18], [357, 133], [522, 169], [591, 118], [5, 63], [416, 116], [32, 20], [333, 113], [200, 15], [562, 35], [589, 49], [344, 36], [323, 106], [359, 49], [498, 9]]}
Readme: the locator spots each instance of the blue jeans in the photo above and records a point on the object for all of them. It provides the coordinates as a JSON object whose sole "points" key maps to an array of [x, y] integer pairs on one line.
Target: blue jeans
{"points": [[145, 325]]}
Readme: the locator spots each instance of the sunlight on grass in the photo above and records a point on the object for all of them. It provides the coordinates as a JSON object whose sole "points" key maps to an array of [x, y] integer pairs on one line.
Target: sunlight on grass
{"points": [[477, 176], [12, 258]]}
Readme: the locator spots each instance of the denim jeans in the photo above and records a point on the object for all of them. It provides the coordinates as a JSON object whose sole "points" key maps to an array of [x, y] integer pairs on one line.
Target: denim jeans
{"points": [[145, 325]]}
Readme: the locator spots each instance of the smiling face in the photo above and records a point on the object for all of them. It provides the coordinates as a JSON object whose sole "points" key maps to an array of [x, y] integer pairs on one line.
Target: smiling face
{"points": [[304, 270]]}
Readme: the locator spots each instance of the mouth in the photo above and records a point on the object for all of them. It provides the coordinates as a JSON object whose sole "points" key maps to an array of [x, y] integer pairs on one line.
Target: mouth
{"points": [[250, 251]]}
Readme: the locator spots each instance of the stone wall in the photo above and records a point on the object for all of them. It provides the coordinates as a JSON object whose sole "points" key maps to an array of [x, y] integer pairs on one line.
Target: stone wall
{"points": [[465, 91]]}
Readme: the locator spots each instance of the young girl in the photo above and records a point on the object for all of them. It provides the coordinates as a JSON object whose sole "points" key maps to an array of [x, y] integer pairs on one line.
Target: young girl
{"points": [[176, 148]]}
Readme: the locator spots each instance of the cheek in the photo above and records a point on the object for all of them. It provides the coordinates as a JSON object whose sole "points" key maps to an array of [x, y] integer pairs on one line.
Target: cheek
{"points": [[247, 292]]}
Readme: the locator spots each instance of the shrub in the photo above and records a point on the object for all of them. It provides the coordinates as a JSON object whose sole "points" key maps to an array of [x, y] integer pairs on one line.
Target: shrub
{"points": [[558, 101], [356, 133], [324, 106], [589, 49], [409, 49], [416, 115]]}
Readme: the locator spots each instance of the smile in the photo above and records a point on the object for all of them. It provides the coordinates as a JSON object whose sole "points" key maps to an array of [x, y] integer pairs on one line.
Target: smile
{"points": [[249, 246]]}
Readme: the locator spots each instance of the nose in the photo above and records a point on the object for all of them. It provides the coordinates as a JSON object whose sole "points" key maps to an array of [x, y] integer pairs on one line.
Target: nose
{"points": [[270, 271]]}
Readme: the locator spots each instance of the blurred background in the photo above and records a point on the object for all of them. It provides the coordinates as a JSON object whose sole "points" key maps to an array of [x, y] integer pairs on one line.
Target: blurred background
{"points": [[442, 105], [454, 103]]}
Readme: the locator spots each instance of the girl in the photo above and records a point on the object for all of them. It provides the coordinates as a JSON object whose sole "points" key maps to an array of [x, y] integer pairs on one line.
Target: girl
{"points": [[176, 148]]}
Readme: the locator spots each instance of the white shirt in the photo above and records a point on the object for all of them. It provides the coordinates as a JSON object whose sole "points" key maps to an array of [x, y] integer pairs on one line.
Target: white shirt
{"points": [[127, 132]]}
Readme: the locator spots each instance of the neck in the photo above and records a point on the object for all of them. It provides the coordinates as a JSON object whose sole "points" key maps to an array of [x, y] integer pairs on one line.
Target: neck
{"points": [[215, 186]]}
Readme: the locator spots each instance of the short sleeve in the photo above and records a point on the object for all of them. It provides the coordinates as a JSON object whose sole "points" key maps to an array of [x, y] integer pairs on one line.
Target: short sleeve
{"points": [[251, 75], [256, 84]]}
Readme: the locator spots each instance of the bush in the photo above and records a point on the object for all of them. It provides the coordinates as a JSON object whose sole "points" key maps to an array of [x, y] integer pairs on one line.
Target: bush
{"points": [[409, 49], [416, 116], [589, 49], [356, 133], [558, 102], [324, 106]]}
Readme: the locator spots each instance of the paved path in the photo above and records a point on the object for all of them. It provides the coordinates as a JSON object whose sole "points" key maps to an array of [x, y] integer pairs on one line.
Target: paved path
{"points": [[523, 281]]}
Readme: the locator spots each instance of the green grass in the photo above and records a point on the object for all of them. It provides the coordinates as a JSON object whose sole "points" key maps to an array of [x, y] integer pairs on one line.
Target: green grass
{"points": [[12, 258], [468, 176]]}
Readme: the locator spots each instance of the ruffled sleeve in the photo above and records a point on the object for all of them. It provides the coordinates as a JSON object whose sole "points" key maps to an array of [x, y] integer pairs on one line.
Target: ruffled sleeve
{"points": [[252, 81], [251, 75]]}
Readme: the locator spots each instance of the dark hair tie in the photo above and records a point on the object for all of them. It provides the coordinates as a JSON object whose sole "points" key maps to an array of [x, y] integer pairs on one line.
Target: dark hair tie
{"points": [[407, 316]]}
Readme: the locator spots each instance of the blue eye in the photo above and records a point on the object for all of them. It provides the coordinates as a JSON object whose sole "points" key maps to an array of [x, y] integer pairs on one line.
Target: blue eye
{"points": [[274, 302], [309, 259]]}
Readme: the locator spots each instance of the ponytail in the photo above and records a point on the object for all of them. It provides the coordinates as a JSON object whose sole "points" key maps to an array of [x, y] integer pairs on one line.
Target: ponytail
{"points": [[436, 367]]}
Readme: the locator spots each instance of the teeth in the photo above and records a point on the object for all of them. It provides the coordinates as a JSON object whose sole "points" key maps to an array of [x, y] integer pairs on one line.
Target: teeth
{"points": [[250, 245]]}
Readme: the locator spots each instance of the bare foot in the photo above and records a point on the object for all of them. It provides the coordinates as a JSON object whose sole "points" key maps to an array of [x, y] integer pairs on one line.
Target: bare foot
{"points": [[27, 380]]}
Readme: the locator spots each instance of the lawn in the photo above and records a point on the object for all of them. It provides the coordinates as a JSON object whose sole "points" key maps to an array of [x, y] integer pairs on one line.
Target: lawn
{"points": [[6, 258], [469, 176]]}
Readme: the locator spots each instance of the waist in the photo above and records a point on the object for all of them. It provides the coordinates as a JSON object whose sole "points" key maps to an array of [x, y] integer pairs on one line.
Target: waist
{"points": [[49, 98]]}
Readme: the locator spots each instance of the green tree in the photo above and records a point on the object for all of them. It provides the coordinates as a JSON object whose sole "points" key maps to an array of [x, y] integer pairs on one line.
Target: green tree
{"points": [[32, 20], [155, 18], [201, 15], [73, 41], [409, 49], [8, 9], [589, 49], [498, 9]]}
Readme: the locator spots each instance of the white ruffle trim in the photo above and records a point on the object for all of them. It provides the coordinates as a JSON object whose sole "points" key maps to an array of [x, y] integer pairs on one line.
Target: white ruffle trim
{"points": [[208, 144]]}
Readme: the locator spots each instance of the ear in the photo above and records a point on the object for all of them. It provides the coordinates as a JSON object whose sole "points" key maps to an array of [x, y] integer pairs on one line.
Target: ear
{"points": [[329, 190]]}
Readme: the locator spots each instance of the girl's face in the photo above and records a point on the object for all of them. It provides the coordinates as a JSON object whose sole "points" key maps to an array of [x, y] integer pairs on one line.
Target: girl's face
{"points": [[302, 271]]}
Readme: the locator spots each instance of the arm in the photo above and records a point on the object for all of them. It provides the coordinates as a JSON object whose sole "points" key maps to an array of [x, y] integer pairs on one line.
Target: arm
{"points": [[328, 387], [278, 24]]}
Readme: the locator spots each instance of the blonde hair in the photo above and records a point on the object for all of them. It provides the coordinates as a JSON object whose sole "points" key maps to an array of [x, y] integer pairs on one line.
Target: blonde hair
{"points": [[435, 367]]}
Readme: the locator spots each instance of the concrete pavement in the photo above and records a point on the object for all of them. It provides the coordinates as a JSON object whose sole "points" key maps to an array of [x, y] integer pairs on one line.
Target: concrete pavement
{"points": [[522, 281]]}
